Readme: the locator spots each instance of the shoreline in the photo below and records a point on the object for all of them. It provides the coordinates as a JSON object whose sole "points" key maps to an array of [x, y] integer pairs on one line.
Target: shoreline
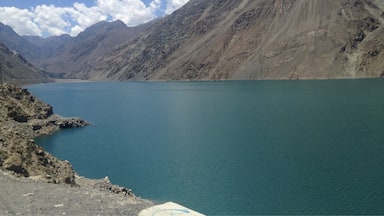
{"points": [[70, 81], [30, 174], [224, 80]]}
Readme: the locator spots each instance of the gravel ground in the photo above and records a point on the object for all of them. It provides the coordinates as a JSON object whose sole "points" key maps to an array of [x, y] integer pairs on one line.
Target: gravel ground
{"points": [[28, 196]]}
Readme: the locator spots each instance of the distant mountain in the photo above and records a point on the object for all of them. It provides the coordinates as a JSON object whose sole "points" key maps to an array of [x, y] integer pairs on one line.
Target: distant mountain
{"points": [[63, 56], [16, 42], [47, 46], [254, 39], [14, 68]]}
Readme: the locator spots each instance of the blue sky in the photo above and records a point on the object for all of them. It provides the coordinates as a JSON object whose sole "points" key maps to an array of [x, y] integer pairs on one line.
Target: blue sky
{"points": [[25, 4], [54, 17]]}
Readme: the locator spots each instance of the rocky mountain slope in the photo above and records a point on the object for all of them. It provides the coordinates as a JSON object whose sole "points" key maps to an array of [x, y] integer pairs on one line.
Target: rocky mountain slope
{"points": [[254, 39], [14, 68], [47, 49], [16, 42], [223, 39]]}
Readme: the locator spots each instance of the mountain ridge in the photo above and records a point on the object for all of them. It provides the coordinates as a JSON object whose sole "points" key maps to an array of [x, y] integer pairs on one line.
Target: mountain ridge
{"points": [[97, 40], [261, 39], [62, 56], [224, 39], [16, 42], [15, 68]]}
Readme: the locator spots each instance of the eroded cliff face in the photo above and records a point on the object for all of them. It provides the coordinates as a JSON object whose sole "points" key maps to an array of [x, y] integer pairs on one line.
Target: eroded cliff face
{"points": [[23, 117], [254, 39]]}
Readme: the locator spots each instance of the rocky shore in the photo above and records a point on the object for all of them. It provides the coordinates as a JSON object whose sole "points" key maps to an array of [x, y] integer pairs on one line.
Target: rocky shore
{"points": [[30, 177]]}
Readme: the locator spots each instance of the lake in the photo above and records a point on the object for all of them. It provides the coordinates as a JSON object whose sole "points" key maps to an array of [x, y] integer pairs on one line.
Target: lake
{"points": [[233, 147]]}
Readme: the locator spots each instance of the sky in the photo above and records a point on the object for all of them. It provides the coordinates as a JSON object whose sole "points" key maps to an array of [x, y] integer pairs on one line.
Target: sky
{"points": [[55, 17]]}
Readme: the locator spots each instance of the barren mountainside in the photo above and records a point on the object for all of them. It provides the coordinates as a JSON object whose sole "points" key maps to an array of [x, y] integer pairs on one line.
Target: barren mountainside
{"points": [[62, 56], [16, 42], [15, 68], [97, 40], [219, 40], [253, 39]]}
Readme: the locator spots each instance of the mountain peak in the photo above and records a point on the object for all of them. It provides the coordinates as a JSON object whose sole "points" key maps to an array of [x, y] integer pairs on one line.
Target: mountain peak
{"points": [[119, 23], [105, 26]]}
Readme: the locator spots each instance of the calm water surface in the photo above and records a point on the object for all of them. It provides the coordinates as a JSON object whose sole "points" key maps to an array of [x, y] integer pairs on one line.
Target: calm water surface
{"points": [[244, 147]]}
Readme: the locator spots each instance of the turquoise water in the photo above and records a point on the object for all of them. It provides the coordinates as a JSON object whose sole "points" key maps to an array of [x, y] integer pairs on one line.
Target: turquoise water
{"points": [[241, 147]]}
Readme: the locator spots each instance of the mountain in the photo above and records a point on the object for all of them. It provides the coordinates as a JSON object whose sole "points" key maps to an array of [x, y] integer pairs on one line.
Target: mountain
{"points": [[254, 39], [47, 46], [16, 42], [222, 39], [14, 68], [62, 56]]}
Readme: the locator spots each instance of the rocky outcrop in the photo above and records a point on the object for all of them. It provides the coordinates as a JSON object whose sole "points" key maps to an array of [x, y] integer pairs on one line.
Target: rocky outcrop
{"points": [[22, 118], [23, 157]]}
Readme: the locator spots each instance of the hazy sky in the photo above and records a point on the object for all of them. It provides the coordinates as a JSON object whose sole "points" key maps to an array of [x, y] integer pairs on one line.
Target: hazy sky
{"points": [[55, 17]]}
